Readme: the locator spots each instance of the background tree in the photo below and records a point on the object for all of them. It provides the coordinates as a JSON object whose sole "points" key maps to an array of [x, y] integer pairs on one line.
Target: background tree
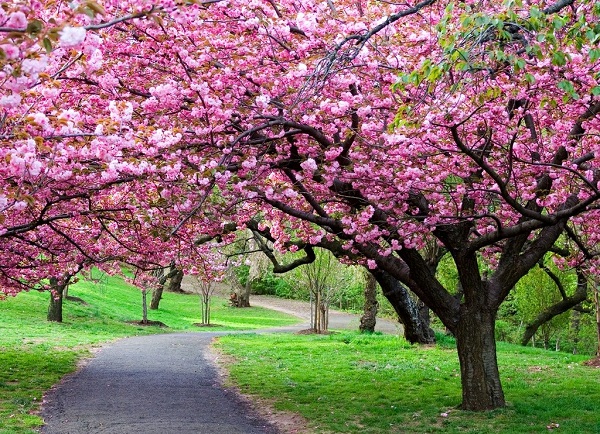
{"points": [[205, 288], [368, 320], [324, 277]]}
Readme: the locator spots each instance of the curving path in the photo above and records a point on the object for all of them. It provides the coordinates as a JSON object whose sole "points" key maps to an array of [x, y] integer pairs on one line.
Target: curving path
{"points": [[157, 384], [161, 384]]}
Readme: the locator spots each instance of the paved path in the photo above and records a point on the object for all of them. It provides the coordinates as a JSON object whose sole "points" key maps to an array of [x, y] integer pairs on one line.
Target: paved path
{"points": [[164, 384], [160, 384]]}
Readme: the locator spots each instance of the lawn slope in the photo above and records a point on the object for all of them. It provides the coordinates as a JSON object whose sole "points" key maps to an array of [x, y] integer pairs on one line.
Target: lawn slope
{"points": [[352, 383]]}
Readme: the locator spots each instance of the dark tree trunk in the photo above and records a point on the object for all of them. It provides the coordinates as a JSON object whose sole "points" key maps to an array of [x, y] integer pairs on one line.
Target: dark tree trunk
{"points": [[158, 289], [476, 347], [56, 301], [369, 318], [175, 282], [556, 309], [157, 293], [425, 319], [416, 331]]}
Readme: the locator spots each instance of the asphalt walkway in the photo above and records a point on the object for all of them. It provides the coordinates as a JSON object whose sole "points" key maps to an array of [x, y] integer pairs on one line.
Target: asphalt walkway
{"points": [[164, 384], [159, 384]]}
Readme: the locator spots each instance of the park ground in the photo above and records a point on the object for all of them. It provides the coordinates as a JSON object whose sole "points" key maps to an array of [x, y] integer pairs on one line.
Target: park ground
{"points": [[342, 382]]}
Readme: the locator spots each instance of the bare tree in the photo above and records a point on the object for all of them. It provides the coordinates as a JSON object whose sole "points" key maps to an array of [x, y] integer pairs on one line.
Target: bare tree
{"points": [[205, 288]]}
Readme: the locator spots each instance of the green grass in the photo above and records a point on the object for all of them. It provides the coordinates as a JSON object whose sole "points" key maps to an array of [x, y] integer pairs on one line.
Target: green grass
{"points": [[351, 383], [35, 354]]}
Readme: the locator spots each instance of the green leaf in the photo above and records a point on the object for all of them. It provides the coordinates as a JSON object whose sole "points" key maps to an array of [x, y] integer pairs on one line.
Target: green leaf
{"points": [[559, 58], [95, 7], [566, 85], [47, 45], [34, 27], [529, 78], [558, 23], [519, 65], [594, 54], [596, 90]]}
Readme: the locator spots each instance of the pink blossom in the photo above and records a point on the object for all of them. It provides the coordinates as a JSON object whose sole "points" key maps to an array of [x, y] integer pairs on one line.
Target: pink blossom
{"points": [[16, 20], [72, 36], [309, 165], [9, 101], [10, 51]]}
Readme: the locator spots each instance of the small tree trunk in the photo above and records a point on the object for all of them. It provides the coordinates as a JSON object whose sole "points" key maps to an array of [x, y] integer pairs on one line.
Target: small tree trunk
{"points": [[315, 324], [476, 346], [369, 318], [56, 301], [144, 307], [576, 326], [175, 282], [205, 308], [324, 320]]}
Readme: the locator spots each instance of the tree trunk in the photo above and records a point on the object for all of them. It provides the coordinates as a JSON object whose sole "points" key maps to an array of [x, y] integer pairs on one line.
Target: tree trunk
{"points": [[369, 318], [144, 307], [576, 326], [205, 308], [157, 293], [56, 301], [324, 325], [416, 331], [243, 296], [476, 346], [175, 281]]}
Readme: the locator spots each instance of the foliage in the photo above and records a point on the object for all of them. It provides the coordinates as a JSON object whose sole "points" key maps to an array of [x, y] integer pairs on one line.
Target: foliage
{"points": [[536, 292], [379, 383]]}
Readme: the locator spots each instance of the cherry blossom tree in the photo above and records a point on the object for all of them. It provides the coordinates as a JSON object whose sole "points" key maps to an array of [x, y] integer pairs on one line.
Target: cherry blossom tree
{"points": [[65, 201], [479, 133], [378, 127]]}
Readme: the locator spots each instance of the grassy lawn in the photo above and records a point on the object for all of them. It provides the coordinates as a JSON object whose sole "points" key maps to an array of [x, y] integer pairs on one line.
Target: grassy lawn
{"points": [[35, 354], [350, 383]]}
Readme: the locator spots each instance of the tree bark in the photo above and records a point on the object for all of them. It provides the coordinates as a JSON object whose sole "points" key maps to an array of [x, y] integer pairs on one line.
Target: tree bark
{"points": [[476, 347], [55, 313], [243, 296], [157, 293], [175, 282], [556, 309], [369, 318], [144, 307], [416, 331]]}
